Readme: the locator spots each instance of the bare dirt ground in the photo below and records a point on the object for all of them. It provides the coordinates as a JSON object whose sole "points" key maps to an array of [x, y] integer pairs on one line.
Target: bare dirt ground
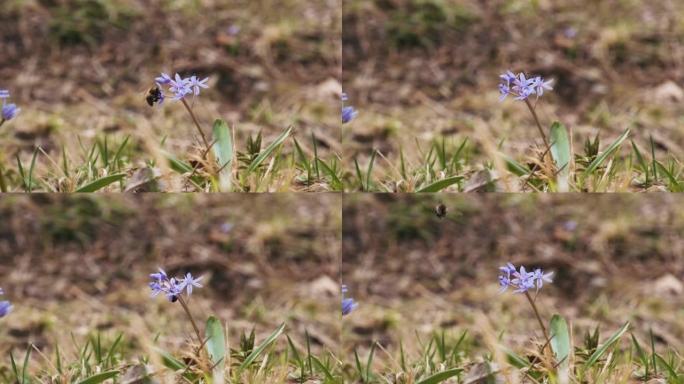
{"points": [[616, 258], [423, 70], [73, 266]]}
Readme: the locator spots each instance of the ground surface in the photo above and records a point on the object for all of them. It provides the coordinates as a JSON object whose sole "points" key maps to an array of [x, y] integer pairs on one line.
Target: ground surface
{"points": [[616, 258], [76, 266], [423, 70], [80, 70]]}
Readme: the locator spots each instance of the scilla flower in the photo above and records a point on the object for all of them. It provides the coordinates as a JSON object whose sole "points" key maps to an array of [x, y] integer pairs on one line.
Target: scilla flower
{"points": [[348, 112], [5, 306], [521, 87], [182, 87], [348, 304], [9, 111], [172, 287], [521, 280]]}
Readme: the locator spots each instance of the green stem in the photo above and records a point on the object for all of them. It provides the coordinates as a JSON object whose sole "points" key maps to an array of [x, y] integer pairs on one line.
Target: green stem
{"points": [[539, 319], [536, 120], [197, 124], [192, 320]]}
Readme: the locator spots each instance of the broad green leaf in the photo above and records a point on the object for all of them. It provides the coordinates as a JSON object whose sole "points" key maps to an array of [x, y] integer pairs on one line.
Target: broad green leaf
{"points": [[101, 183], [561, 153], [223, 150], [216, 347], [441, 376], [603, 348], [440, 184], [560, 344], [269, 150], [607, 153], [261, 348], [99, 378]]}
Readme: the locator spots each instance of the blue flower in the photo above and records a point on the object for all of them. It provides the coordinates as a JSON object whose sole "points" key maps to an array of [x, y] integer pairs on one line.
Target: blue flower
{"points": [[521, 280], [521, 87], [180, 86], [5, 306], [189, 282], [9, 111], [348, 112], [172, 288], [197, 84], [163, 79], [348, 304]]}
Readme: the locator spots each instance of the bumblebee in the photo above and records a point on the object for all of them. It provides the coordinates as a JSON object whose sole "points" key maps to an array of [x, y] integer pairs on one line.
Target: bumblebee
{"points": [[154, 95], [441, 210]]}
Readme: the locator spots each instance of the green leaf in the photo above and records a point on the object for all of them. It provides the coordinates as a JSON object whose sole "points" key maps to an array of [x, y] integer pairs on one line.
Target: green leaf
{"points": [[674, 183], [603, 348], [329, 378], [560, 344], [441, 376], [223, 150], [261, 348], [515, 167], [440, 184], [561, 153], [216, 347], [269, 150], [101, 183], [516, 360], [608, 152], [99, 378]]}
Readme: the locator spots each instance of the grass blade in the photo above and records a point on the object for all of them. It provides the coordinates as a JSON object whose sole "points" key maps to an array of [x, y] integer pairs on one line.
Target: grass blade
{"points": [[561, 153], [607, 153], [101, 183], [223, 150], [100, 377], [216, 348], [603, 348], [261, 348], [440, 184], [269, 150], [441, 376]]}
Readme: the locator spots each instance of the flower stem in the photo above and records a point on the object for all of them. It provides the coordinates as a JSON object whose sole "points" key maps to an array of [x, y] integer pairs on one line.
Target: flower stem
{"points": [[2, 122], [192, 320], [539, 319], [197, 124], [536, 120]]}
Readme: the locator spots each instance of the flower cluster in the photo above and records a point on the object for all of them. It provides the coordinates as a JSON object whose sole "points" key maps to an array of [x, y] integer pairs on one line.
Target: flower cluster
{"points": [[348, 112], [348, 304], [181, 87], [9, 111], [521, 87], [172, 287], [522, 280], [5, 306]]}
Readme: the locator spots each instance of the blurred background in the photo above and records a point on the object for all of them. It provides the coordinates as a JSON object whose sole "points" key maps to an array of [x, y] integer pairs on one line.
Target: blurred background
{"points": [[616, 258], [83, 67], [423, 69], [74, 266]]}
